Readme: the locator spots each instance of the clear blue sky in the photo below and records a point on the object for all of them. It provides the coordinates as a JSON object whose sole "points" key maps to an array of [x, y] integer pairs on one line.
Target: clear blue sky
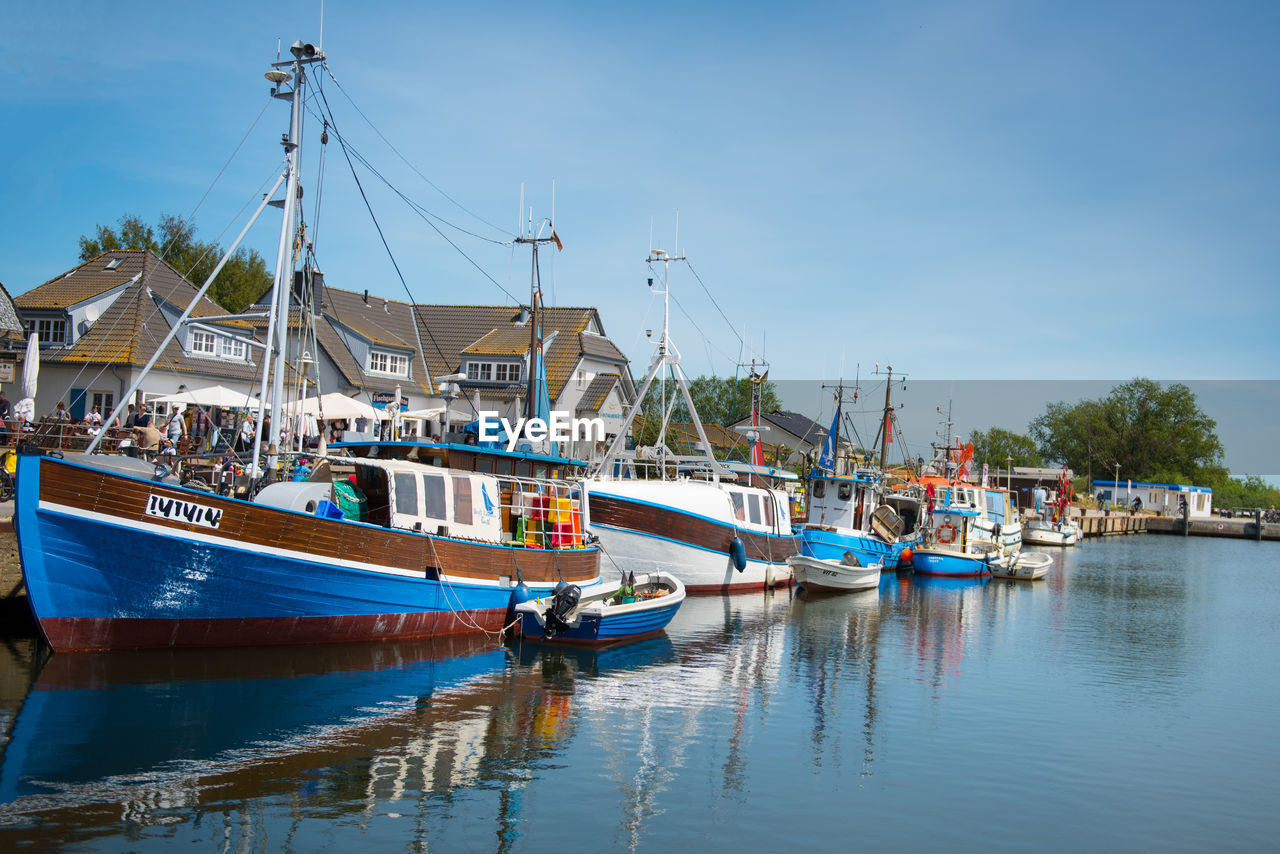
{"points": [[969, 190]]}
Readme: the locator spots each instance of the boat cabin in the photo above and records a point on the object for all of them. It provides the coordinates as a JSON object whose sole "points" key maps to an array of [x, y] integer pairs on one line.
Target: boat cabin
{"points": [[475, 458], [407, 495]]}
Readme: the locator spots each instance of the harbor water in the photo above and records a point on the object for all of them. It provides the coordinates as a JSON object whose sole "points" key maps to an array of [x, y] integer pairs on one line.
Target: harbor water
{"points": [[1126, 703]]}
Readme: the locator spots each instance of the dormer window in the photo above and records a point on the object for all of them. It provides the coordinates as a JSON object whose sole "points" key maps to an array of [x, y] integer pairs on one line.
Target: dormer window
{"points": [[494, 372], [51, 331], [388, 363], [232, 348], [204, 344]]}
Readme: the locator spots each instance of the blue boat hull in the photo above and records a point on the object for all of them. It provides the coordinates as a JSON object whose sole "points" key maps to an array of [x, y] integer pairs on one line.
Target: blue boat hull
{"points": [[869, 549], [610, 629], [121, 579], [948, 564]]}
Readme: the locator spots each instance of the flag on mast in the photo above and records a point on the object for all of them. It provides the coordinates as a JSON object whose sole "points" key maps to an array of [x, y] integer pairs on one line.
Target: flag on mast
{"points": [[827, 459]]}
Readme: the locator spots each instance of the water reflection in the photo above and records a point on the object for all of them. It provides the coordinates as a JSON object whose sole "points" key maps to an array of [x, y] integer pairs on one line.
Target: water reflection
{"points": [[836, 649]]}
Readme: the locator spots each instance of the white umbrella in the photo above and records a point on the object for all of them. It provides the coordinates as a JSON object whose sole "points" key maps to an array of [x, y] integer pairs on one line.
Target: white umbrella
{"points": [[337, 405], [26, 408], [214, 395]]}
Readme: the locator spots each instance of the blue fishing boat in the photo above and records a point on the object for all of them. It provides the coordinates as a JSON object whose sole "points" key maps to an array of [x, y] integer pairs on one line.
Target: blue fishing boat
{"points": [[635, 607], [957, 541], [117, 554], [856, 514]]}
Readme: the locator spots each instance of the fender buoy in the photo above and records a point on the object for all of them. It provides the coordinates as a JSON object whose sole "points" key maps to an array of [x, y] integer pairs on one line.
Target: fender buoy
{"points": [[946, 533], [904, 559], [738, 554]]}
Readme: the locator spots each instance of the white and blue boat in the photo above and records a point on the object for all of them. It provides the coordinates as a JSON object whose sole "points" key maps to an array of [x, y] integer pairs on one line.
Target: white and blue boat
{"points": [[633, 608], [854, 518], [969, 531], [851, 513]]}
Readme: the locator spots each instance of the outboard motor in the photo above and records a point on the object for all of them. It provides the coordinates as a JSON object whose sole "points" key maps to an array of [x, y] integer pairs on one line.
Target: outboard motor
{"points": [[563, 601]]}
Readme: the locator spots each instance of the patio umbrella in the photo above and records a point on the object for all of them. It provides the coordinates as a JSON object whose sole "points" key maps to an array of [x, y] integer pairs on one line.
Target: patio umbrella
{"points": [[214, 395], [26, 408]]}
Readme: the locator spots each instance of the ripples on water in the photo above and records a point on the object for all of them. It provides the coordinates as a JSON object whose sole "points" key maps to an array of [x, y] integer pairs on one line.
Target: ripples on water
{"points": [[1125, 703]]}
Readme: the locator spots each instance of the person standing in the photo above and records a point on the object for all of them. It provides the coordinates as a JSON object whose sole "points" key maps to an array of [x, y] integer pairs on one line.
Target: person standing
{"points": [[131, 419], [176, 428]]}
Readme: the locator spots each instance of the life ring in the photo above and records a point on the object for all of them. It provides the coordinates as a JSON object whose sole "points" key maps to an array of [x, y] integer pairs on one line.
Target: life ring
{"points": [[946, 533]]}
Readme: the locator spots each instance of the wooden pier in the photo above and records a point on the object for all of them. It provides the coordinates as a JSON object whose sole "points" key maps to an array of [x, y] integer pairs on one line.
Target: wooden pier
{"points": [[1107, 525]]}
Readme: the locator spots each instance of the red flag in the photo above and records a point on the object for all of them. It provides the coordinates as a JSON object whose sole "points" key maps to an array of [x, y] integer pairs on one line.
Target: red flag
{"points": [[556, 238], [888, 431]]}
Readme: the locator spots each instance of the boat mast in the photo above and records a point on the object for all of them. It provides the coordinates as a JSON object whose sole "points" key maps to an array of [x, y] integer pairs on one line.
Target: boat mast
{"points": [[535, 318], [278, 322], [667, 356], [888, 414]]}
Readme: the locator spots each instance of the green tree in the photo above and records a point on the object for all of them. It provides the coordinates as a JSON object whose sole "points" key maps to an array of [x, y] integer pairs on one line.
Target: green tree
{"points": [[1154, 433], [241, 282], [996, 445]]}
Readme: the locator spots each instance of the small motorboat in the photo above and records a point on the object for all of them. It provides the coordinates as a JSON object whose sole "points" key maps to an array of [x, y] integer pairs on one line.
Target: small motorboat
{"points": [[834, 575], [1042, 532], [1025, 566], [637, 606]]}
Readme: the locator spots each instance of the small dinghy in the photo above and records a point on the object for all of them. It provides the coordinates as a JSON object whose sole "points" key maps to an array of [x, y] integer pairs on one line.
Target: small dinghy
{"points": [[1026, 566], [834, 576], [635, 607]]}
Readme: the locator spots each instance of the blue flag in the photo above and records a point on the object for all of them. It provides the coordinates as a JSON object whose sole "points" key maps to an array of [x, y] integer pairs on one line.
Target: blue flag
{"points": [[827, 460]]}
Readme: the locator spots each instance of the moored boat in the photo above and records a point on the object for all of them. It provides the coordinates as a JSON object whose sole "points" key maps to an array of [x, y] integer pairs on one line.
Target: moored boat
{"points": [[1027, 566], [633, 608], [116, 554], [719, 530], [117, 560], [1042, 532], [834, 576]]}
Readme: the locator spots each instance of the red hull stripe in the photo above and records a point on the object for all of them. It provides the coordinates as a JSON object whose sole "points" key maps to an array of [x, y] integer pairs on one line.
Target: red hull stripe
{"points": [[88, 634]]}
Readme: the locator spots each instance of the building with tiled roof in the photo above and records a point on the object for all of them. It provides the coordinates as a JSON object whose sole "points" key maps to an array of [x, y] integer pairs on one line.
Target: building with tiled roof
{"points": [[803, 436], [726, 443], [100, 323], [491, 346]]}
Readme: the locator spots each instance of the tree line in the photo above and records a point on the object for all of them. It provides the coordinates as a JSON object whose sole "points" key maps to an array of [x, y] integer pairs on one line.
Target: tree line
{"points": [[1155, 433]]}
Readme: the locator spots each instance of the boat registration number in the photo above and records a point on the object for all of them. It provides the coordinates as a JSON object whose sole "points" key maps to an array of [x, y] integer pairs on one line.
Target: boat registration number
{"points": [[183, 511]]}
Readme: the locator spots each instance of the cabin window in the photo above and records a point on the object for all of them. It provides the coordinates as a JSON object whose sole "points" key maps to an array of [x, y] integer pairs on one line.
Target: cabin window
{"points": [[540, 472], [484, 465], [995, 506], [504, 465], [524, 468], [753, 507], [845, 492], [406, 493], [462, 500], [739, 507], [819, 488], [433, 489], [768, 511]]}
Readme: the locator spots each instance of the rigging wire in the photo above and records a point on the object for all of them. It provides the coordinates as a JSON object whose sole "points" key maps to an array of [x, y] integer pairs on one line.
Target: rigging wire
{"points": [[432, 184], [421, 350], [713, 299], [348, 154]]}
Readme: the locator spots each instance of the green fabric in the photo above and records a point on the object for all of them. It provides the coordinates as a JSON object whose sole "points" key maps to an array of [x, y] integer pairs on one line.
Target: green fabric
{"points": [[351, 500]]}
